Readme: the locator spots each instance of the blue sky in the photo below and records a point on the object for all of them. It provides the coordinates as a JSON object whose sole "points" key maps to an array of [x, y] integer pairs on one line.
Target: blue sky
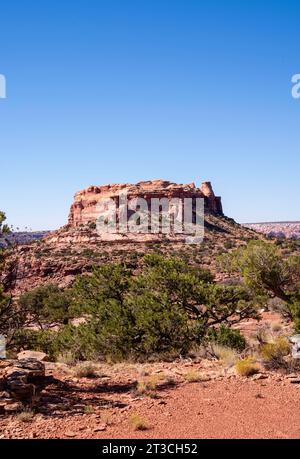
{"points": [[103, 91]]}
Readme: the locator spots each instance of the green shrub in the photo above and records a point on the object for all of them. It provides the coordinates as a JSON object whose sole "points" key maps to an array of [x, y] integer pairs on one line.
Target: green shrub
{"points": [[38, 340], [165, 309], [86, 370], [46, 305], [225, 336], [269, 272]]}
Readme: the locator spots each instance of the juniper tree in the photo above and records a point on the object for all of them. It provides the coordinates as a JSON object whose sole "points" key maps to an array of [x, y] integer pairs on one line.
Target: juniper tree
{"points": [[266, 270]]}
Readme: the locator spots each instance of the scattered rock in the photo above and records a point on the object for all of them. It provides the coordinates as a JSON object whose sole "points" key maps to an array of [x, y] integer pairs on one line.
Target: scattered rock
{"points": [[13, 407], [33, 367], [70, 434], [100, 428], [259, 376]]}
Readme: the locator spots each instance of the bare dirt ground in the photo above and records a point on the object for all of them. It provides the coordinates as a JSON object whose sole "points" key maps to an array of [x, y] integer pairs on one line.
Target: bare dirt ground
{"points": [[219, 405]]}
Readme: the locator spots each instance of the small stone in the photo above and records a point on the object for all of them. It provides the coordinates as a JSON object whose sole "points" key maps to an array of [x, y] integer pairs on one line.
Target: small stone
{"points": [[126, 408], [79, 406], [259, 376], [70, 434], [100, 428]]}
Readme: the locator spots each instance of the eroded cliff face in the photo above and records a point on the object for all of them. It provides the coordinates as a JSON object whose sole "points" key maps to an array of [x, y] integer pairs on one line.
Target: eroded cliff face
{"points": [[85, 208]]}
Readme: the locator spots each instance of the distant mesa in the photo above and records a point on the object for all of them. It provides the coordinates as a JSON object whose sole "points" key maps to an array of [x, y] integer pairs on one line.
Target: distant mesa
{"points": [[21, 237], [290, 230]]}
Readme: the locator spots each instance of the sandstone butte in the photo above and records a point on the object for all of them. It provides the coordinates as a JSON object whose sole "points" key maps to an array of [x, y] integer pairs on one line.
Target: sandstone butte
{"points": [[84, 209]]}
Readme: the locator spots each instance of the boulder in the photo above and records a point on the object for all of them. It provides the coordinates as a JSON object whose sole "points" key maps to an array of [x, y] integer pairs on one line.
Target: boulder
{"points": [[13, 407], [24, 379], [41, 356]]}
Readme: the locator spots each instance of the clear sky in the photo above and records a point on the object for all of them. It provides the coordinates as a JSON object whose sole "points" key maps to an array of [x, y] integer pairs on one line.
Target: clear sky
{"points": [[108, 91]]}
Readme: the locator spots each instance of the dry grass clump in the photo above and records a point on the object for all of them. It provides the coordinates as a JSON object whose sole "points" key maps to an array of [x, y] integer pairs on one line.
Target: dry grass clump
{"points": [[247, 367], [138, 423], [141, 387], [277, 349], [198, 352], [194, 376], [226, 355], [86, 370], [154, 380], [26, 415], [151, 382], [67, 358], [274, 353], [88, 409], [107, 419]]}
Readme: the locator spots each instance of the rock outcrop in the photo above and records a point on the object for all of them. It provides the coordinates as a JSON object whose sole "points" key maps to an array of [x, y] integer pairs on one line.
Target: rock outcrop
{"points": [[84, 209], [20, 382]]}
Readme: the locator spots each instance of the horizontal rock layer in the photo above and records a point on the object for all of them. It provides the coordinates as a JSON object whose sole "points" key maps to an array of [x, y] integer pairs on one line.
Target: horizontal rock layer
{"points": [[84, 209]]}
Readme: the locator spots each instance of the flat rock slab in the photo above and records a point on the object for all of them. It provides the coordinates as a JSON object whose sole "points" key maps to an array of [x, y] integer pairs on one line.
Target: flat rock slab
{"points": [[41, 356]]}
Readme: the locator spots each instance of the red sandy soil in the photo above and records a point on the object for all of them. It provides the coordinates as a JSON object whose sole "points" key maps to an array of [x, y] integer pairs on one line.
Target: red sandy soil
{"points": [[226, 406]]}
